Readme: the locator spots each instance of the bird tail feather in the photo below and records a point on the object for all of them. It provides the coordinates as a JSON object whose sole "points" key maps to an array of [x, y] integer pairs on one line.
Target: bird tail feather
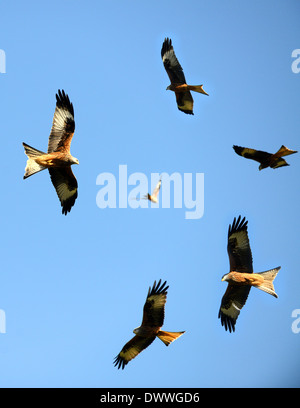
{"points": [[32, 166], [267, 285], [168, 337], [31, 152], [284, 151], [197, 88]]}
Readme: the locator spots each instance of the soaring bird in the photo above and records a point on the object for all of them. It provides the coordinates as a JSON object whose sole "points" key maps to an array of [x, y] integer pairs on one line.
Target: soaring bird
{"points": [[241, 277], [153, 319], [153, 197], [174, 70], [58, 159], [265, 159]]}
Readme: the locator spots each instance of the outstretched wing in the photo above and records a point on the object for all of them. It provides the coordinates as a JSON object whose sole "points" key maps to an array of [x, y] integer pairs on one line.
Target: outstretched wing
{"points": [[156, 190], [65, 185], [238, 247], [132, 349], [232, 302], [185, 102], [257, 155], [63, 125], [154, 308], [171, 64], [240, 259]]}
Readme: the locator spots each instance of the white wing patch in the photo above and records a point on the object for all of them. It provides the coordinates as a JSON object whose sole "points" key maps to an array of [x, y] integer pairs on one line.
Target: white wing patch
{"points": [[170, 55], [241, 239], [233, 311]]}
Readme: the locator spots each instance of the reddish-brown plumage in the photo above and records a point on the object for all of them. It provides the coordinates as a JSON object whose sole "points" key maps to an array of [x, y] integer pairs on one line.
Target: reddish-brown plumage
{"points": [[58, 159]]}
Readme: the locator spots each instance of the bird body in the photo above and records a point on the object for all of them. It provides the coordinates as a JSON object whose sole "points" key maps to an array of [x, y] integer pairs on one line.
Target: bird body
{"points": [[153, 319], [264, 158], [241, 276], [260, 280], [178, 84], [154, 196], [58, 159], [46, 160]]}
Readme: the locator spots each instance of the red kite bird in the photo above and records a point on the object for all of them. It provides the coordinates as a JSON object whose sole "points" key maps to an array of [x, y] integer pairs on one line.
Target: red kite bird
{"points": [[58, 159], [241, 277], [153, 319], [265, 159], [184, 97]]}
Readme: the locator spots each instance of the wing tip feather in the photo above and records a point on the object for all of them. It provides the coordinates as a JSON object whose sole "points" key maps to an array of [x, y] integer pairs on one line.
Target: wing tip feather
{"points": [[237, 225], [158, 288], [119, 362]]}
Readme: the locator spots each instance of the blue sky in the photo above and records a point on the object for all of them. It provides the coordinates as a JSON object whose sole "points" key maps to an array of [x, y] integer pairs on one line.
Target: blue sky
{"points": [[73, 287]]}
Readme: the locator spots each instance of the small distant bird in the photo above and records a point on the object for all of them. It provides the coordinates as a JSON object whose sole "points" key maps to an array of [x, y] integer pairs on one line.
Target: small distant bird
{"points": [[58, 159], [265, 159], [153, 319], [154, 195], [174, 70], [241, 277]]}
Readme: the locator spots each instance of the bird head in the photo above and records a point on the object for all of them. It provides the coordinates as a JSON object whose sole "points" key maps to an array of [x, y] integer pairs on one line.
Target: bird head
{"points": [[169, 88], [225, 277], [75, 161], [136, 330]]}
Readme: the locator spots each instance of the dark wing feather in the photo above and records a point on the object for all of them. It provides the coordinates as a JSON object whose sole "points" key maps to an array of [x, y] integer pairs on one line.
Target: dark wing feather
{"points": [[154, 308], [232, 302], [171, 64], [65, 185], [257, 155], [63, 125], [238, 247], [132, 349], [278, 163], [185, 102]]}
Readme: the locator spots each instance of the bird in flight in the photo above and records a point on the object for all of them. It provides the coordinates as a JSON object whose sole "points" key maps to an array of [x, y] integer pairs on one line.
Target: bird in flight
{"points": [[154, 196], [153, 319], [265, 159], [58, 159], [241, 277], [178, 84]]}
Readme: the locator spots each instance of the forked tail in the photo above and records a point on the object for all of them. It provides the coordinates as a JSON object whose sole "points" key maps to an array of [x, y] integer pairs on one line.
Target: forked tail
{"points": [[267, 285], [168, 337], [284, 151], [31, 166], [197, 88]]}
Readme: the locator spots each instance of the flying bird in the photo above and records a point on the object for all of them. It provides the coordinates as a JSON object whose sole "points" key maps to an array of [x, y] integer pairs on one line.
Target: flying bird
{"points": [[153, 319], [174, 70], [265, 159], [241, 277], [58, 159], [154, 196]]}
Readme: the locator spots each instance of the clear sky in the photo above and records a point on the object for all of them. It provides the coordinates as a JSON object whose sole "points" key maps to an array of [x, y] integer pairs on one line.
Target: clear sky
{"points": [[72, 288]]}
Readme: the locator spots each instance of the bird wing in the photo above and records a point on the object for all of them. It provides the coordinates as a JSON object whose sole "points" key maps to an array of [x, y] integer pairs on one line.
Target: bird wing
{"points": [[156, 190], [154, 308], [280, 162], [131, 349], [232, 302], [257, 155], [65, 184], [171, 64], [185, 102], [63, 125], [238, 247]]}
